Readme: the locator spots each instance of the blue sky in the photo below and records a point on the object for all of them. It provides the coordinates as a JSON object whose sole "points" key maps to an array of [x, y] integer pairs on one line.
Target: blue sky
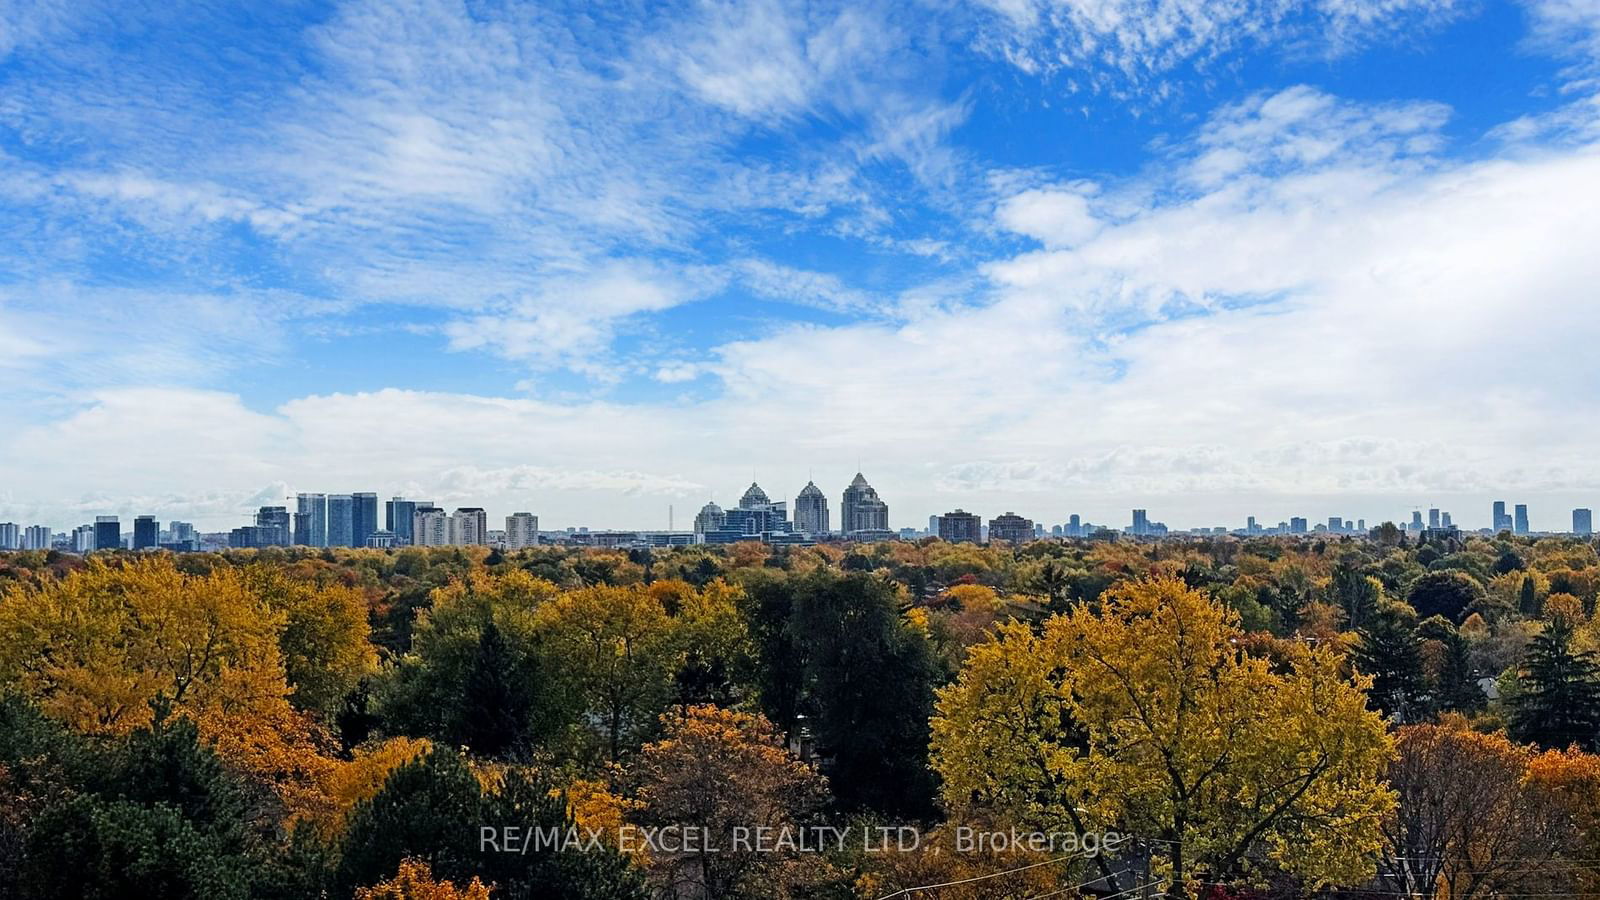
{"points": [[592, 260]]}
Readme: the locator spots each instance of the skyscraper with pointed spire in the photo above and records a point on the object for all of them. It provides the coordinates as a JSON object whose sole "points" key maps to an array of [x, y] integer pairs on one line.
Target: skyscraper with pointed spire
{"points": [[811, 510], [862, 510]]}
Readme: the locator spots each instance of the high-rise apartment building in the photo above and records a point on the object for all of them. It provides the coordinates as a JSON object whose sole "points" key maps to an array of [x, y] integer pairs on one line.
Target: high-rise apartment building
{"points": [[1011, 528], [273, 527], [522, 531], [341, 520], [311, 520], [181, 532], [107, 533], [862, 509], [36, 537], [469, 526], [1521, 524], [960, 527], [710, 518], [1075, 526], [1297, 525], [83, 538], [811, 510], [397, 517], [1583, 522], [1141, 522], [10, 536], [363, 517], [1501, 521], [146, 533], [1433, 518], [430, 526]]}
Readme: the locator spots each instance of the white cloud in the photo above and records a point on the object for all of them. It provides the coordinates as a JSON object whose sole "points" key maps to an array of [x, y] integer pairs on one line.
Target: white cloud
{"points": [[792, 285], [572, 319], [1054, 217]]}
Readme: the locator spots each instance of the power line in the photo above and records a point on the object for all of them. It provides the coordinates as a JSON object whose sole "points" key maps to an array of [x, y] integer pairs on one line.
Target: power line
{"points": [[906, 892]]}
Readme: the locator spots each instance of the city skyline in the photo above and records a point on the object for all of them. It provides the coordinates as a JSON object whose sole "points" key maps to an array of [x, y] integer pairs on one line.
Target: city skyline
{"points": [[1213, 259], [301, 513]]}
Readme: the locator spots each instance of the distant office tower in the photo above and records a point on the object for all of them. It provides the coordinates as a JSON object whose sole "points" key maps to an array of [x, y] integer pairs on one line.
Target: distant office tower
{"points": [[1141, 522], [107, 533], [272, 523], [146, 533], [1582, 522], [1521, 524], [1336, 524], [522, 531], [1297, 525], [10, 536], [469, 526], [811, 510], [1250, 526], [1075, 526], [430, 527], [710, 518], [933, 526], [1011, 528], [1501, 522], [341, 520], [1444, 520], [363, 517], [83, 538], [36, 537], [1416, 520], [181, 532], [861, 509], [960, 527], [1433, 518], [397, 517], [311, 520]]}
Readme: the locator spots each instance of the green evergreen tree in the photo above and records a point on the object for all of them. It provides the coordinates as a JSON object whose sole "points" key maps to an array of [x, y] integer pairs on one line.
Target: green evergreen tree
{"points": [[1559, 703], [1391, 654], [154, 814], [872, 680], [530, 801], [1528, 602], [1456, 687], [1357, 594], [497, 697], [430, 808]]}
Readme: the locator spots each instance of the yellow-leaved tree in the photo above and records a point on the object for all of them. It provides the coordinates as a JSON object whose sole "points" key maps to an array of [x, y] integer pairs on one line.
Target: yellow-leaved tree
{"points": [[94, 648], [1146, 717], [415, 881], [102, 648]]}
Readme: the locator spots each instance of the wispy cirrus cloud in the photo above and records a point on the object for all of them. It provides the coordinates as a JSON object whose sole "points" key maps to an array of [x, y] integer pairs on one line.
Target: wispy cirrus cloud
{"points": [[1130, 48]]}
